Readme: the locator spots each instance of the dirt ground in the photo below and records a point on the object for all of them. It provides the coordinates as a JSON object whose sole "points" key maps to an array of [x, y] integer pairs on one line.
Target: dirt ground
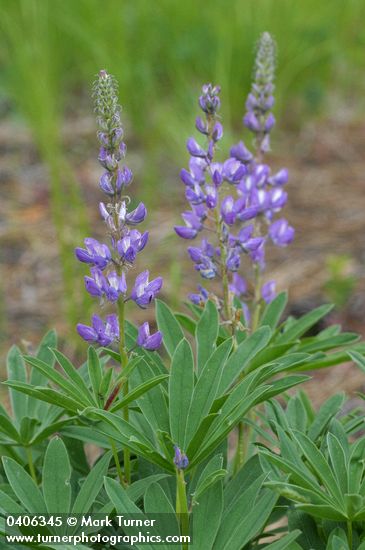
{"points": [[326, 205]]}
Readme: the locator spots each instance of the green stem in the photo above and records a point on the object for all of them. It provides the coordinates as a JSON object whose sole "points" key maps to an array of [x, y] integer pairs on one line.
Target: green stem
{"points": [[123, 364], [257, 299], [182, 510], [31, 465], [349, 533], [116, 460]]}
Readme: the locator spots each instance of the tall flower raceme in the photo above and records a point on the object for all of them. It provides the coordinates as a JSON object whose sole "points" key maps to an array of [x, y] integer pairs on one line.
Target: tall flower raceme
{"points": [[110, 263], [235, 203]]}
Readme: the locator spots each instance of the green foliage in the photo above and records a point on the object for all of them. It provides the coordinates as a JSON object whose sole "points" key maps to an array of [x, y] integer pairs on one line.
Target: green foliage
{"points": [[319, 470]]}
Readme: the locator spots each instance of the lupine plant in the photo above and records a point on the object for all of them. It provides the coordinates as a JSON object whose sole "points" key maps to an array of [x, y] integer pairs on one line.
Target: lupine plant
{"points": [[192, 419]]}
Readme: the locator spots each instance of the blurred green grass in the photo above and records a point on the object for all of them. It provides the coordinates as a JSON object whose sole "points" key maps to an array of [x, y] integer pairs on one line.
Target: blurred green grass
{"points": [[161, 52]]}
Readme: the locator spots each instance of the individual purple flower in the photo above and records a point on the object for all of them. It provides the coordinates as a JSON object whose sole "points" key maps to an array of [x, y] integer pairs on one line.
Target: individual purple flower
{"points": [[281, 232], [137, 215], [193, 226], [181, 461], [233, 261], [96, 253], [116, 286], [106, 184], [96, 284], [100, 332], [268, 291], [148, 341], [132, 243], [233, 170], [144, 291], [195, 195], [280, 178], [124, 178], [240, 152], [238, 285], [228, 211], [194, 148], [201, 297]]}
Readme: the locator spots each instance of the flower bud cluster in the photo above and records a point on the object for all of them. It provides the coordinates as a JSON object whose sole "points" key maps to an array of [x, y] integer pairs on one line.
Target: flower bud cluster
{"points": [[109, 264], [236, 200]]}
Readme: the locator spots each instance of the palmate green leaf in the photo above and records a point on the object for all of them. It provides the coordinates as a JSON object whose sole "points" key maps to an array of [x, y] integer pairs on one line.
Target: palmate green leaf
{"points": [[24, 487], [123, 504], [339, 463], [309, 537], [328, 410], [157, 502], [207, 333], [301, 477], [212, 473], [73, 375], [152, 403], [181, 387], [56, 478], [17, 372], [318, 462], [87, 435], [37, 408], [303, 324], [186, 322], [358, 359], [169, 326], [286, 542], [58, 379], [220, 429], [343, 339], [273, 311], [201, 433], [332, 359], [205, 389], [46, 394], [95, 372], [8, 505], [297, 493], [138, 391], [356, 466], [249, 520], [139, 487], [323, 512], [122, 431], [241, 357], [91, 485], [267, 355], [207, 517], [7, 427]]}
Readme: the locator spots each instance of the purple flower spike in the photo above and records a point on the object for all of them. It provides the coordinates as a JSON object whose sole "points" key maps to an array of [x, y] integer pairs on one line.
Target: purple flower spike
{"points": [[96, 253], [144, 291], [194, 148], [100, 332], [268, 291], [181, 461], [148, 341], [137, 215], [281, 232]]}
